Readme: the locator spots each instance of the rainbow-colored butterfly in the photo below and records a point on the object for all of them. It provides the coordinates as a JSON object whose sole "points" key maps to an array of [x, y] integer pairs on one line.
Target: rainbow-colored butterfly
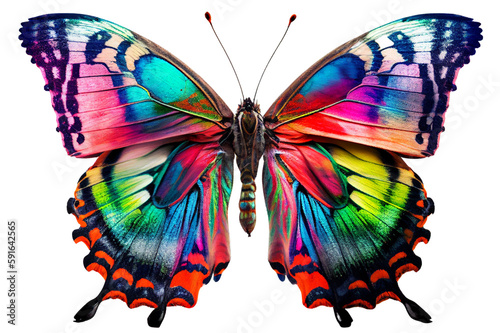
{"points": [[345, 211]]}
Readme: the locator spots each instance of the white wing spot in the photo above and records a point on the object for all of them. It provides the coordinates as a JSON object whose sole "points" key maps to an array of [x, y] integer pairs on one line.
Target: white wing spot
{"points": [[55, 72], [442, 54]]}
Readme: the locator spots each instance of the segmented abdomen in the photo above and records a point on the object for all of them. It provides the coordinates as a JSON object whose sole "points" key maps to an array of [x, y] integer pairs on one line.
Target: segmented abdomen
{"points": [[247, 201]]}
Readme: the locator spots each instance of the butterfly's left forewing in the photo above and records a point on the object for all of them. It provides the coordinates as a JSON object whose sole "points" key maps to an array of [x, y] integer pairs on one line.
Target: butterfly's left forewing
{"points": [[112, 88], [345, 211]]}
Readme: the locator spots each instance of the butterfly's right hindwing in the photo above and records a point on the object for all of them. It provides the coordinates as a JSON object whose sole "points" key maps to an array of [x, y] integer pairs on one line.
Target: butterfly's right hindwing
{"points": [[350, 247]]}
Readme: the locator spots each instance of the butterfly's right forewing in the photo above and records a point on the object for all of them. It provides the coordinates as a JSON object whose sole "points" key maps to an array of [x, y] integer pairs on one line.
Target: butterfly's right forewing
{"points": [[388, 88]]}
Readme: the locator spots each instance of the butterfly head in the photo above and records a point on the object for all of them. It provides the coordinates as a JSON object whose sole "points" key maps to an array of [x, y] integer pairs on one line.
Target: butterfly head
{"points": [[248, 106]]}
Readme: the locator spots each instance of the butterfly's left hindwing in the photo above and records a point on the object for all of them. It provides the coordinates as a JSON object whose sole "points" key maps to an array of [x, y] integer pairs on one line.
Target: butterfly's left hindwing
{"points": [[154, 217]]}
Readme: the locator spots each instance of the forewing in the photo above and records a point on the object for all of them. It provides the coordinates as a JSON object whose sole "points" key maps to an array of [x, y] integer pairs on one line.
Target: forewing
{"points": [[388, 88], [155, 222], [112, 88], [352, 250]]}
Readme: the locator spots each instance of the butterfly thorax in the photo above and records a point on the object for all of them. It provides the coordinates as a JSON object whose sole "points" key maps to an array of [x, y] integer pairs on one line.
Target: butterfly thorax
{"points": [[248, 144]]}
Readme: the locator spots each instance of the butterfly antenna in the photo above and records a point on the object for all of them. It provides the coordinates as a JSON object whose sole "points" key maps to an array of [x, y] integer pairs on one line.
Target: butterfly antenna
{"points": [[209, 19], [292, 18]]}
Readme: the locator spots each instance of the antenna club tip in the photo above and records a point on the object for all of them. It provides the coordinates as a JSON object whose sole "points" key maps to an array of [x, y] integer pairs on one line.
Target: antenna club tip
{"points": [[292, 18], [208, 17]]}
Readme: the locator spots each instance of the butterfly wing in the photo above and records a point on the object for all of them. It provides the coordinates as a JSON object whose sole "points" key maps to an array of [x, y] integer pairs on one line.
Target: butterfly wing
{"points": [[346, 241], [112, 88], [388, 88], [345, 210], [154, 217], [153, 207]]}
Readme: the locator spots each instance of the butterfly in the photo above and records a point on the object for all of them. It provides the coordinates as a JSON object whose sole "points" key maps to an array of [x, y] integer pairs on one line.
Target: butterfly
{"points": [[345, 210]]}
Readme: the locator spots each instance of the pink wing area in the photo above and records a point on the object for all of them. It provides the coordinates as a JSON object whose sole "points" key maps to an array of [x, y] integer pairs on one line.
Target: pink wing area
{"points": [[111, 88], [155, 222], [315, 171], [351, 254], [388, 88]]}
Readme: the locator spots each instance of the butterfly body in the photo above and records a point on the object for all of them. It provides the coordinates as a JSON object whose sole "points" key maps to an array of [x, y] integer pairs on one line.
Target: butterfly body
{"points": [[345, 211], [249, 144]]}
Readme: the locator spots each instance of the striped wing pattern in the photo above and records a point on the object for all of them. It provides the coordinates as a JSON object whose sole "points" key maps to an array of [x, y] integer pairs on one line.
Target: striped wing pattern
{"points": [[153, 208]]}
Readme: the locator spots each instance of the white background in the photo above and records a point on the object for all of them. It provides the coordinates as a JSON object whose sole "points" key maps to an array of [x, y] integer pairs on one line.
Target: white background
{"points": [[457, 284]]}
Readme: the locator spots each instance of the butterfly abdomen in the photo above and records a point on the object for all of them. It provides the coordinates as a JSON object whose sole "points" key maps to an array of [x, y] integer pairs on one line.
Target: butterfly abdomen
{"points": [[248, 144], [247, 202]]}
